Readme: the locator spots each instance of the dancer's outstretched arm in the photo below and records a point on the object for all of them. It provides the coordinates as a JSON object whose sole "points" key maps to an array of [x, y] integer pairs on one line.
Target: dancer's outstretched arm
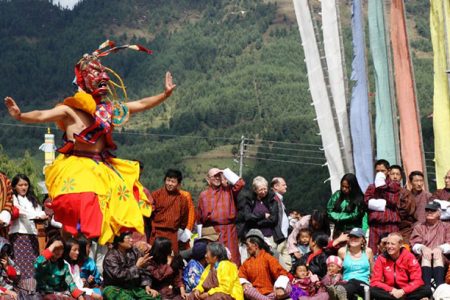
{"points": [[149, 102], [36, 116]]}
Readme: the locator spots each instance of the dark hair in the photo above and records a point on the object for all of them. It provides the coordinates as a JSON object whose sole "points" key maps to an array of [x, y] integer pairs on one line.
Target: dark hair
{"points": [[67, 248], [83, 242], [172, 173], [382, 236], [297, 264], [260, 243], [120, 238], [6, 250], [161, 248], [355, 197], [218, 250], [321, 239], [321, 218], [30, 192], [53, 238], [382, 162], [400, 169], [302, 230], [415, 173]]}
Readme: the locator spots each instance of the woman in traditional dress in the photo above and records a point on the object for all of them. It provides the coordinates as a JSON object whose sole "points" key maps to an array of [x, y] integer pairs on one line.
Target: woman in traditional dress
{"points": [[23, 232]]}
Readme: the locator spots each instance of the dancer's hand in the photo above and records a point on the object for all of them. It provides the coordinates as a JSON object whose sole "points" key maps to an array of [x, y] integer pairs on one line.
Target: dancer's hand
{"points": [[12, 107], [169, 85]]}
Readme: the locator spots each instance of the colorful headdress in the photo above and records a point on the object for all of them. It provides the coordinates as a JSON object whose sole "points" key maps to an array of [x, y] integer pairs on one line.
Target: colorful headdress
{"points": [[103, 50]]}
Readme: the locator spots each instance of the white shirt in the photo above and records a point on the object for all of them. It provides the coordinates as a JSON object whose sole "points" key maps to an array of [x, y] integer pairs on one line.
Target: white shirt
{"points": [[285, 219], [24, 224]]}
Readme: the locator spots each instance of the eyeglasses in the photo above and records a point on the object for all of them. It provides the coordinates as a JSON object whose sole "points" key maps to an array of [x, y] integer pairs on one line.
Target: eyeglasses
{"points": [[446, 177]]}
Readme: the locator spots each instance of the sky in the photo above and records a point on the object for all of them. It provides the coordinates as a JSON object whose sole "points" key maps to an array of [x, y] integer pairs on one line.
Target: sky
{"points": [[66, 3]]}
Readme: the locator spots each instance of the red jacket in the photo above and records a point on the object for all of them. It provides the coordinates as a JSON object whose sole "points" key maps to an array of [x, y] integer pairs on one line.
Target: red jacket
{"points": [[404, 273]]}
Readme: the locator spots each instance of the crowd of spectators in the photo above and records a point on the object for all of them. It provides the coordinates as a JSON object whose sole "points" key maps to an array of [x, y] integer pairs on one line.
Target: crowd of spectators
{"points": [[391, 241]]}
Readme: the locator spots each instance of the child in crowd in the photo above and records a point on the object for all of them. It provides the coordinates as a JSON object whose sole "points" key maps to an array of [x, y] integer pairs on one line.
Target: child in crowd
{"points": [[306, 285], [89, 273], [9, 275], [194, 269], [333, 278], [316, 258], [303, 238], [53, 276], [72, 259], [166, 270]]}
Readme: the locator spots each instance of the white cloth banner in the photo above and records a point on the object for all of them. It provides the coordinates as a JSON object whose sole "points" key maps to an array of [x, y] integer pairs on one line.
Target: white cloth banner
{"points": [[333, 55], [319, 94]]}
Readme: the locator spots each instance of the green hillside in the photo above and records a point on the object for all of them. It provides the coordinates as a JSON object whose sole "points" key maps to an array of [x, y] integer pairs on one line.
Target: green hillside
{"points": [[239, 70]]}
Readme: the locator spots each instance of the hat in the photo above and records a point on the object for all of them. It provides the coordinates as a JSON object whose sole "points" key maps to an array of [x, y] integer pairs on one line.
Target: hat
{"points": [[433, 205], [333, 259], [358, 232], [254, 232], [199, 249], [210, 234], [214, 172]]}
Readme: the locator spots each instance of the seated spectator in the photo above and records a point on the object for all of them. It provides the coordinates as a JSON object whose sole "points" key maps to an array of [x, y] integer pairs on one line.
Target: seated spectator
{"points": [[71, 258], [303, 239], [357, 264], [317, 221], [53, 279], [195, 267], [381, 245], [346, 208], [166, 270], [9, 275], [333, 278], [207, 235], [397, 273], [261, 274], [316, 258], [306, 285], [124, 271], [220, 279], [88, 271], [431, 240]]}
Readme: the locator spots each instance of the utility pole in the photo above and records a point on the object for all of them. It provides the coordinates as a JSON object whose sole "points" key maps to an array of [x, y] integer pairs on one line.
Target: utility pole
{"points": [[241, 156]]}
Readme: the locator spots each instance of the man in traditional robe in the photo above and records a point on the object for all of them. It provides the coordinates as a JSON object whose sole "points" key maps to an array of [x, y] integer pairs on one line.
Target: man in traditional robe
{"points": [[443, 194], [170, 210], [431, 240], [407, 205], [383, 199], [6, 204], [420, 195], [217, 207]]}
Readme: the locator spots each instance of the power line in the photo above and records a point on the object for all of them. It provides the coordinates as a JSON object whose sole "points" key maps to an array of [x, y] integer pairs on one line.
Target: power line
{"points": [[289, 143], [284, 161], [287, 149], [279, 154]]}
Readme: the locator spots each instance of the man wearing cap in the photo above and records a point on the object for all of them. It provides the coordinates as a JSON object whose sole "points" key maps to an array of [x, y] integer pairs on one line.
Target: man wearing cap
{"points": [[171, 211], [261, 275], [217, 207], [431, 241], [397, 273]]}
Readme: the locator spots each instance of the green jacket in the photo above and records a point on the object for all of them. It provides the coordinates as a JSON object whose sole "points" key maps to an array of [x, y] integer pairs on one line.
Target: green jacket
{"points": [[50, 278], [343, 220]]}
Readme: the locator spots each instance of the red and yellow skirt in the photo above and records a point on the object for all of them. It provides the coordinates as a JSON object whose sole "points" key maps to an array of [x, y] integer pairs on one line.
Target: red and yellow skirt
{"points": [[103, 197]]}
